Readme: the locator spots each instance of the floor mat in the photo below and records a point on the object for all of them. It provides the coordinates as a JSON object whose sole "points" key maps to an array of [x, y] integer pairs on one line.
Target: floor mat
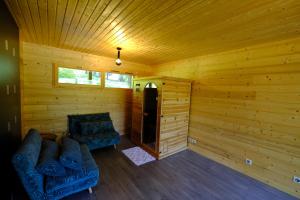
{"points": [[138, 156]]}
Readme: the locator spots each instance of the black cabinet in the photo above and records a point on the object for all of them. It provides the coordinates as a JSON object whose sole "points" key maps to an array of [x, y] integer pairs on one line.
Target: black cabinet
{"points": [[10, 128]]}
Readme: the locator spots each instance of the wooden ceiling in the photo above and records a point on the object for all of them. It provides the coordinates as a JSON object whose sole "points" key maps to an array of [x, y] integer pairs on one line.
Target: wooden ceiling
{"points": [[155, 31]]}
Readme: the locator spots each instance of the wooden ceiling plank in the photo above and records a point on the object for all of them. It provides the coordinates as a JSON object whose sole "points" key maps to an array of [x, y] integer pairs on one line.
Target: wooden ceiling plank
{"points": [[237, 24], [60, 17], [94, 6], [43, 14], [27, 17], [111, 25], [154, 31], [124, 23], [79, 12], [190, 47], [35, 16], [68, 19], [207, 19], [98, 19], [18, 15], [151, 18], [52, 13], [152, 15], [181, 23]]}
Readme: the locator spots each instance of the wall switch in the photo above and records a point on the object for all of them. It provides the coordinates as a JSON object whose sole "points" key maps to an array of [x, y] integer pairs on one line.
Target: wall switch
{"points": [[296, 179], [248, 161], [8, 127], [6, 45], [7, 89]]}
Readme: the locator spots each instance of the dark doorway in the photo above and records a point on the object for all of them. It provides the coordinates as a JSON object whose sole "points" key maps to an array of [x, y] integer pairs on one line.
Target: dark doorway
{"points": [[150, 115]]}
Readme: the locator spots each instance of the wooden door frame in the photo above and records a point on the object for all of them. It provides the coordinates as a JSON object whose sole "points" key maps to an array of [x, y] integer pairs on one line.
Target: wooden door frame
{"points": [[154, 152]]}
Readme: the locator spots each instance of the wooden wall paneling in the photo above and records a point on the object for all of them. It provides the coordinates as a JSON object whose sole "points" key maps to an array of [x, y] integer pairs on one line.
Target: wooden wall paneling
{"points": [[245, 104], [46, 107], [174, 123]]}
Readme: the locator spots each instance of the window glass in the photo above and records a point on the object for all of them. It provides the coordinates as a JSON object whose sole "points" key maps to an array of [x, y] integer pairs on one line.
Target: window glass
{"points": [[115, 80], [78, 76], [150, 85]]}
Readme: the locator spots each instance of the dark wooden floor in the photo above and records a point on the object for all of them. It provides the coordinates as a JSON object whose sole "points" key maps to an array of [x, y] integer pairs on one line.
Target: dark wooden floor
{"points": [[185, 175]]}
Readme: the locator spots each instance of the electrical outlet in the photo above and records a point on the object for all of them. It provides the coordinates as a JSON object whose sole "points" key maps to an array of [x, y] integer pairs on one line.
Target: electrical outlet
{"points": [[192, 140], [248, 161], [296, 179]]}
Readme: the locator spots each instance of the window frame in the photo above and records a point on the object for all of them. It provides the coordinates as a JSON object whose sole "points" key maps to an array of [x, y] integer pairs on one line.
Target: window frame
{"points": [[115, 72], [102, 78], [70, 85]]}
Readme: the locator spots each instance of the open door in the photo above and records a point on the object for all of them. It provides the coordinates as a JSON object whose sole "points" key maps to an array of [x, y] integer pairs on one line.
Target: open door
{"points": [[150, 116]]}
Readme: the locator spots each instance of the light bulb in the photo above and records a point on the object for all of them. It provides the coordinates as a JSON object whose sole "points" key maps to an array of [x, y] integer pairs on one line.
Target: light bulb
{"points": [[118, 61]]}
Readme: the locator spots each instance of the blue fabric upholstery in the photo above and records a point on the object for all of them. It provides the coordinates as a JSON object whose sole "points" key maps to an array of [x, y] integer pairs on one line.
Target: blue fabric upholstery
{"points": [[99, 140], [101, 136], [48, 163], [40, 187], [24, 162], [88, 128], [107, 126], [70, 154], [88, 177], [74, 120]]}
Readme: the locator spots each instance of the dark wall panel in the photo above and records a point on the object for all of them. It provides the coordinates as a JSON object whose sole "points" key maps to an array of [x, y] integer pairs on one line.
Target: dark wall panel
{"points": [[10, 134]]}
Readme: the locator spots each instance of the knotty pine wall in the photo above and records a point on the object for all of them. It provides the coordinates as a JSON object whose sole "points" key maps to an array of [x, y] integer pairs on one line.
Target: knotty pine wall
{"points": [[46, 107], [246, 104]]}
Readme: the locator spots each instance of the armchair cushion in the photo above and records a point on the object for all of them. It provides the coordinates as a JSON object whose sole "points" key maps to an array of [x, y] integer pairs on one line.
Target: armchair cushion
{"points": [[70, 155], [48, 163]]}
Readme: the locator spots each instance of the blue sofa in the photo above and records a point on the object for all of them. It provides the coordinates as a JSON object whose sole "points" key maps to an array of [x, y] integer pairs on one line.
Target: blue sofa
{"points": [[41, 187], [101, 134]]}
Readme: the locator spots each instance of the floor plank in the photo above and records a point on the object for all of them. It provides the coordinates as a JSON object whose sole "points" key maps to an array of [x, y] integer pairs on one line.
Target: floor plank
{"points": [[185, 175]]}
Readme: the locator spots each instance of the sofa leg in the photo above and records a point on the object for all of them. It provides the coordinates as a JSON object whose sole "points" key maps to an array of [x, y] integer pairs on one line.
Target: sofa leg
{"points": [[115, 146], [90, 190]]}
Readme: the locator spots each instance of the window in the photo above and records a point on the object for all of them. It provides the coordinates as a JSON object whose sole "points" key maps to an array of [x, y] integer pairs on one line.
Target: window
{"points": [[78, 76], [115, 80], [150, 85]]}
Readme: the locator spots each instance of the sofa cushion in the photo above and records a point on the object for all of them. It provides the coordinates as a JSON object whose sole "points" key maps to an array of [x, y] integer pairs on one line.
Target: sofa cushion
{"points": [[107, 126], [90, 127], [74, 120], [96, 127], [48, 163], [74, 180], [99, 140], [24, 162], [70, 155]]}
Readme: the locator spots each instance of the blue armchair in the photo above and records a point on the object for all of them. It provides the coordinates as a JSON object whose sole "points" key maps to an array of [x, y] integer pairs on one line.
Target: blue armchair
{"points": [[42, 187], [94, 130]]}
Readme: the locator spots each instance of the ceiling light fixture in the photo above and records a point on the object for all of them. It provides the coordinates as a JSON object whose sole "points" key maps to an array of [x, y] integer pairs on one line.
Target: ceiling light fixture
{"points": [[118, 61]]}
